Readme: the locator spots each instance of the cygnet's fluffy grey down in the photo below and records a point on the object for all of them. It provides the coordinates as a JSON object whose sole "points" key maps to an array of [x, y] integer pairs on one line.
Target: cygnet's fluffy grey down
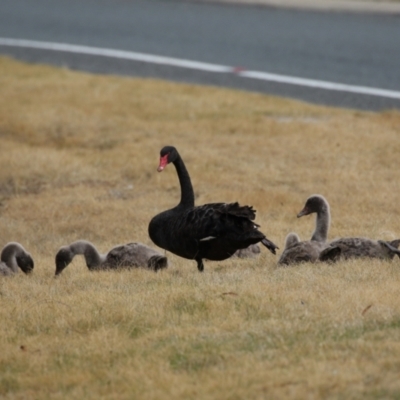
{"points": [[252, 251], [130, 255], [15, 257], [291, 239], [308, 251], [356, 247], [297, 252]]}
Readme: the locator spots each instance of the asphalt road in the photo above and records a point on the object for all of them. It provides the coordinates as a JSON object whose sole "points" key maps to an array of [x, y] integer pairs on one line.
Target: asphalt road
{"points": [[348, 48]]}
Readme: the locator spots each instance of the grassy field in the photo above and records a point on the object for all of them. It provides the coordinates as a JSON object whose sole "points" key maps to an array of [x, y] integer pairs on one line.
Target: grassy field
{"points": [[78, 161]]}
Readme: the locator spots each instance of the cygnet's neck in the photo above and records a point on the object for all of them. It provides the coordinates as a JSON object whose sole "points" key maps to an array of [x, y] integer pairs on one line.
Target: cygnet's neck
{"points": [[322, 223], [9, 254], [88, 250]]}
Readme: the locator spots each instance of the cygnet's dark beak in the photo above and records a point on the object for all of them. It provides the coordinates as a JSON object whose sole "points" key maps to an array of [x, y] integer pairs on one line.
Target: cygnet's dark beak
{"points": [[303, 212]]}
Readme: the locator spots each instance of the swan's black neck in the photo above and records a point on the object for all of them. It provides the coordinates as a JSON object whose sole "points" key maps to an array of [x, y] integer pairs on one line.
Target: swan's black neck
{"points": [[187, 194]]}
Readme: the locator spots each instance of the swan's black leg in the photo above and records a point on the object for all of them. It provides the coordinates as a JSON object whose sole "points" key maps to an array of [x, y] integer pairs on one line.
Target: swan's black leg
{"points": [[200, 265]]}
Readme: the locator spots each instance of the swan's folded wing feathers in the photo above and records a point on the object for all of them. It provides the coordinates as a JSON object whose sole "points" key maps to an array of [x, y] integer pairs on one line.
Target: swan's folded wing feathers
{"points": [[240, 211], [215, 219]]}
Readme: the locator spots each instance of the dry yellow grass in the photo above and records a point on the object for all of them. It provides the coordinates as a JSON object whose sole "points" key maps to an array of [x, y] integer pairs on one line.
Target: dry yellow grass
{"points": [[78, 161]]}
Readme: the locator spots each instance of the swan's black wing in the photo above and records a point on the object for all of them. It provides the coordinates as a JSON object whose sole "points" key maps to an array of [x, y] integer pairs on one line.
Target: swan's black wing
{"points": [[227, 225], [216, 220], [213, 231]]}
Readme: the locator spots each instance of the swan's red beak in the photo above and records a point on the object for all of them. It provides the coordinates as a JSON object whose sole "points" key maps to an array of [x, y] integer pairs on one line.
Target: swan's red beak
{"points": [[163, 163]]}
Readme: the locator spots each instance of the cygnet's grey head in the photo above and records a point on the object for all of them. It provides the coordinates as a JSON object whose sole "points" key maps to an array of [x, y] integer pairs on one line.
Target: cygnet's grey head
{"points": [[157, 262], [63, 259], [25, 262], [314, 204]]}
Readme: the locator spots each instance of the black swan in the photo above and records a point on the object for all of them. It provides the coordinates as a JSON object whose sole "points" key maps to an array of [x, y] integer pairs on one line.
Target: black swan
{"points": [[214, 231], [13, 257], [308, 251], [345, 248], [124, 256]]}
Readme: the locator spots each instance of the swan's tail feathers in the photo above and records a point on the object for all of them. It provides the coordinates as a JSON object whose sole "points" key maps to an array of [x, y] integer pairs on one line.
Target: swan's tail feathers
{"points": [[395, 243], [391, 247], [269, 245]]}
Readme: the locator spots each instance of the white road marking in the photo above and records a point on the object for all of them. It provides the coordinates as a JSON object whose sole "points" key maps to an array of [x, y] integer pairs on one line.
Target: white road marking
{"points": [[341, 87], [200, 66], [126, 55]]}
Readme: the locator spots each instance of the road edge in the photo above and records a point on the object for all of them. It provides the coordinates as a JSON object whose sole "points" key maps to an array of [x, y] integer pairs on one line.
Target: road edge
{"points": [[357, 6]]}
